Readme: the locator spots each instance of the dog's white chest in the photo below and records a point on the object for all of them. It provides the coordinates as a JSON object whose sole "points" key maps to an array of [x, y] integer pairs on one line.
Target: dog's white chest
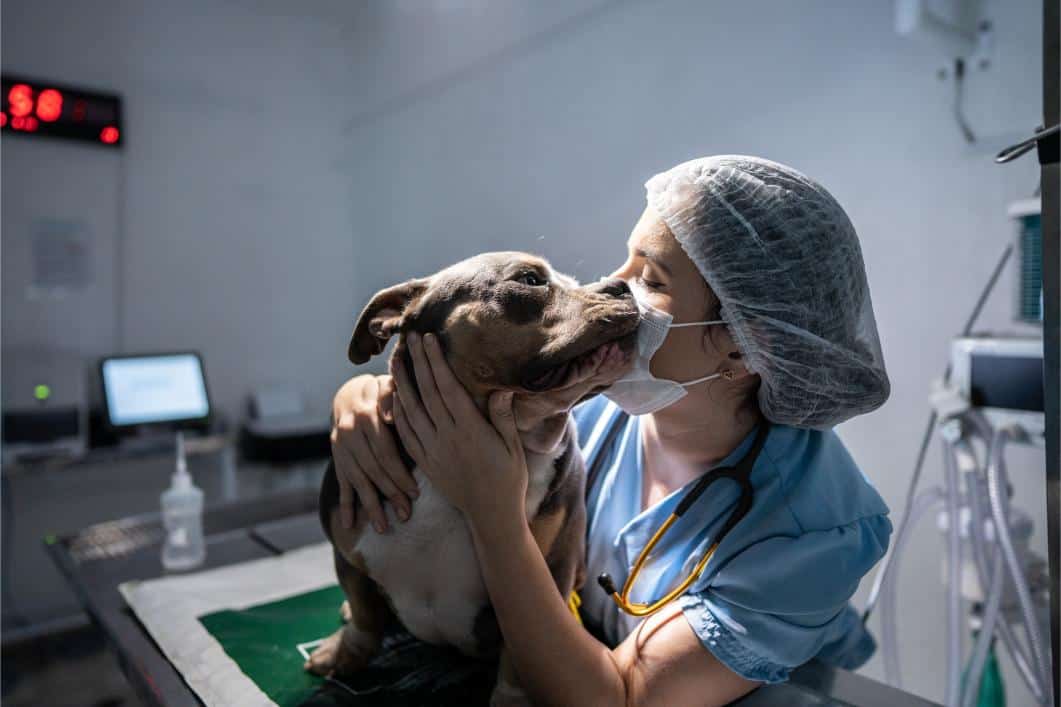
{"points": [[428, 565]]}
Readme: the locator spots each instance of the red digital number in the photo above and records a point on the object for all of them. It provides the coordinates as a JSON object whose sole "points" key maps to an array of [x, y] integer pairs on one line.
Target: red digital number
{"points": [[20, 100], [49, 105], [109, 135]]}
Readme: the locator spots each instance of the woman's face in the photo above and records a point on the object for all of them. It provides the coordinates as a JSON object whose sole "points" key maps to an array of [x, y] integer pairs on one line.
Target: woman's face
{"points": [[657, 265]]}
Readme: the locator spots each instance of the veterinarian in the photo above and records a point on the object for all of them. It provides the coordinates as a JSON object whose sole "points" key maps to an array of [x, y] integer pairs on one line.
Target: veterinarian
{"points": [[765, 268]]}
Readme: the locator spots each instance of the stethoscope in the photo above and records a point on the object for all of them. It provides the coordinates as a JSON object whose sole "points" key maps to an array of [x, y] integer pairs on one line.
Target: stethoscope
{"points": [[740, 473]]}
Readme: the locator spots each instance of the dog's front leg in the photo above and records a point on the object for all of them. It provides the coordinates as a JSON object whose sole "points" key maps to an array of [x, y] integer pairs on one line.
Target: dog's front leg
{"points": [[365, 614]]}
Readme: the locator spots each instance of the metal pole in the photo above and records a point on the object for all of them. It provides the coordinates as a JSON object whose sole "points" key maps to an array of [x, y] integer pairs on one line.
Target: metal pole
{"points": [[1051, 215]]}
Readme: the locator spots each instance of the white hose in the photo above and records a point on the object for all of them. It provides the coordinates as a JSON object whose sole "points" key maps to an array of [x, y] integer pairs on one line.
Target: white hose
{"points": [[1022, 661], [983, 642], [998, 501], [924, 502], [976, 494], [977, 490], [952, 693]]}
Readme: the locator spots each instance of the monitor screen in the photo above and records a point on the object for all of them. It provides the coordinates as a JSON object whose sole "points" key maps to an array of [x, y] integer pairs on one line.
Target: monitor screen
{"points": [[143, 390], [1008, 382]]}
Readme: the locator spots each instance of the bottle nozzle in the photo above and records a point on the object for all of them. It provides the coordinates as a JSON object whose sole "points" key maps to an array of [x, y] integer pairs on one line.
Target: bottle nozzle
{"points": [[181, 478]]}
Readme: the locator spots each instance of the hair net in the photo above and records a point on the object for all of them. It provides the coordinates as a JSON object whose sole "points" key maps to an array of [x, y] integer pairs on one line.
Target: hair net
{"points": [[784, 260]]}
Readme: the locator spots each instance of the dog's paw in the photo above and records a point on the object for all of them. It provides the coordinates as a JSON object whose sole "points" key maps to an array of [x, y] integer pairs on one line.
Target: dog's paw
{"points": [[323, 659], [340, 654], [345, 613]]}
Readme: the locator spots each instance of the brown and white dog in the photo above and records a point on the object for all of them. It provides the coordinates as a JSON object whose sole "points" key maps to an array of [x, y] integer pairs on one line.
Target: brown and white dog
{"points": [[506, 321]]}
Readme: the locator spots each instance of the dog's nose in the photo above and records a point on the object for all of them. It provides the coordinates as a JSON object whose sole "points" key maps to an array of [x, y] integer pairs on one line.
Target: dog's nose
{"points": [[612, 286]]}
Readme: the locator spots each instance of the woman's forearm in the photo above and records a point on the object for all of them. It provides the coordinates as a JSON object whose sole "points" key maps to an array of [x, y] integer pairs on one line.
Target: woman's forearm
{"points": [[557, 661]]}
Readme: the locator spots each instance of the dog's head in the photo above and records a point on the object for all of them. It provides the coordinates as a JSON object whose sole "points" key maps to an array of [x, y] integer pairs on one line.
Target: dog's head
{"points": [[506, 321]]}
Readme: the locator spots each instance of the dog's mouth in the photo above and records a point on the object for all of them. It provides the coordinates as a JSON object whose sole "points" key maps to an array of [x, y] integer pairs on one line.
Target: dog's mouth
{"points": [[549, 375], [552, 376]]}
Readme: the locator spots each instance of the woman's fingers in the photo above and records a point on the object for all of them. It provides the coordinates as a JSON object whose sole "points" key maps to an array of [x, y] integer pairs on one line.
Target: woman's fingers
{"points": [[372, 467], [390, 460], [454, 395], [426, 380], [385, 405], [345, 466], [504, 420], [349, 474], [415, 414], [408, 435], [369, 497], [346, 501]]}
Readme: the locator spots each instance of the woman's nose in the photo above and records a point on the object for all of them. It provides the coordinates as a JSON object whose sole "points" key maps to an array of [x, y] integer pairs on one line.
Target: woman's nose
{"points": [[613, 287], [623, 272]]}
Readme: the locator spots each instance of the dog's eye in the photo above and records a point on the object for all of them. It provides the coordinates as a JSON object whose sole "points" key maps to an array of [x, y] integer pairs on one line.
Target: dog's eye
{"points": [[531, 278]]}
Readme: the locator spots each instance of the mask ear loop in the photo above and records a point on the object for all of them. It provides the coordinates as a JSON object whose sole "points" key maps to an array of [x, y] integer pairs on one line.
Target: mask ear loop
{"points": [[728, 375], [711, 377], [679, 326]]}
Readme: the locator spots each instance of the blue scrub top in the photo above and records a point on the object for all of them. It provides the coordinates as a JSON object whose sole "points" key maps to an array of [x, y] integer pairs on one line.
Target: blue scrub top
{"points": [[776, 592]]}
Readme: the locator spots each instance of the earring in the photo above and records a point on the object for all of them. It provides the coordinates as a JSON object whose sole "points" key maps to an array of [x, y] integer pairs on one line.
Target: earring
{"points": [[728, 374]]}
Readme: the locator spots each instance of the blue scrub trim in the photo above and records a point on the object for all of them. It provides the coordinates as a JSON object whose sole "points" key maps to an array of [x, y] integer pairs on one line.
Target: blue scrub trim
{"points": [[854, 646], [725, 646]]}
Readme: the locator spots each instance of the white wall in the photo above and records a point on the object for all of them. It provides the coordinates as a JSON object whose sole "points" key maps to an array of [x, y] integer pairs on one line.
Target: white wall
{"points": [[256, 226]]}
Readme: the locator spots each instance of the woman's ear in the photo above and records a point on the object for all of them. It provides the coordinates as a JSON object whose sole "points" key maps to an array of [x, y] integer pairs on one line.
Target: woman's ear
{"points": [[734, 369], [732, 366]]}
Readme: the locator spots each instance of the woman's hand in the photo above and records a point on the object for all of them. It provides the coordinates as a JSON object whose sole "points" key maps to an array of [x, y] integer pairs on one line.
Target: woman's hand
{"points": [[365, 454], [477, 464]]}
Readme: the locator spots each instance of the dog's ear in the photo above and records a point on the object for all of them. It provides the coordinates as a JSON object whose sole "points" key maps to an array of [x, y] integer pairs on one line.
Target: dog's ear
{"points": [[382, 318]]}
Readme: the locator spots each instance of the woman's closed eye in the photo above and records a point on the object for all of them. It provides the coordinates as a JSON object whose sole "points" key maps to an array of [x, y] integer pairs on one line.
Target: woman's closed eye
{"points": [[650, 284]]}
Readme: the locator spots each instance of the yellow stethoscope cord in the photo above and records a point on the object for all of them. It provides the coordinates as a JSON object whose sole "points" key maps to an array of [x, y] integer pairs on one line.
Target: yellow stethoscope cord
{"points": [[739, 473], [622, 600], [573, 602]]}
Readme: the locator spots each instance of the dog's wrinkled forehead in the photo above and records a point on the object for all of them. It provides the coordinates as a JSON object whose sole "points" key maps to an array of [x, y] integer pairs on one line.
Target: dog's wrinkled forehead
{"points": [[514, 283]]}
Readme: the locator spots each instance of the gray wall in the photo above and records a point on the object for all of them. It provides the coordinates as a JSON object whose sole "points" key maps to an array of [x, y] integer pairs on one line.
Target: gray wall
{"points": [[237, 231], [256, 224]]}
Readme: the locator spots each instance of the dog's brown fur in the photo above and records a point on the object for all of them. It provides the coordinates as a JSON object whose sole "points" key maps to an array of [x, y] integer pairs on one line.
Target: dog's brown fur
{"points": [[506, 321]]}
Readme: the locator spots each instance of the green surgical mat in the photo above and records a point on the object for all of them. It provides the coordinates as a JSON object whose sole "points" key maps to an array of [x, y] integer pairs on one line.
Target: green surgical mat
{"points": [[263, 640]]}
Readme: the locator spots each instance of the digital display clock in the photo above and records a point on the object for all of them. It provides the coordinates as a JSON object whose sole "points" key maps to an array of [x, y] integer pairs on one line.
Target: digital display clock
{"points": [[47, 109]]}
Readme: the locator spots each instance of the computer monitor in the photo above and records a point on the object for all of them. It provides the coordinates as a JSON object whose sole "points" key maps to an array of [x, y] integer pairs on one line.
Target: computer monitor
{"points": [[156, 389]]}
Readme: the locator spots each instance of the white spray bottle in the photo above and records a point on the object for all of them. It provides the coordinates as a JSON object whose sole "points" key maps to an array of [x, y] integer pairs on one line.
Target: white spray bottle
{"points": [[182, 516]]}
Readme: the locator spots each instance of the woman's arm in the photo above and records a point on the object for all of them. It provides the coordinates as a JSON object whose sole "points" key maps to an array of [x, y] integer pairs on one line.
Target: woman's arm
{"points": [[661, 663], [365, 456], [480, 467]]}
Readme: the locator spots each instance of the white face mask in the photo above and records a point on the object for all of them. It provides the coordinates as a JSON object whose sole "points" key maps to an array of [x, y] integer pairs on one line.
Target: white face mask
{"points": [[639, 392]]}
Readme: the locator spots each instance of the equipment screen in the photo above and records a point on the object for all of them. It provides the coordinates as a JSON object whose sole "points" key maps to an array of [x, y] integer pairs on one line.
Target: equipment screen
{"points": [[1008, 382], [143, 390]]}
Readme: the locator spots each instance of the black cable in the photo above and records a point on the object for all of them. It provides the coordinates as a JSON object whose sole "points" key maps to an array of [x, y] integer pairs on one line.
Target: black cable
{"points": [[959, 95]]}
